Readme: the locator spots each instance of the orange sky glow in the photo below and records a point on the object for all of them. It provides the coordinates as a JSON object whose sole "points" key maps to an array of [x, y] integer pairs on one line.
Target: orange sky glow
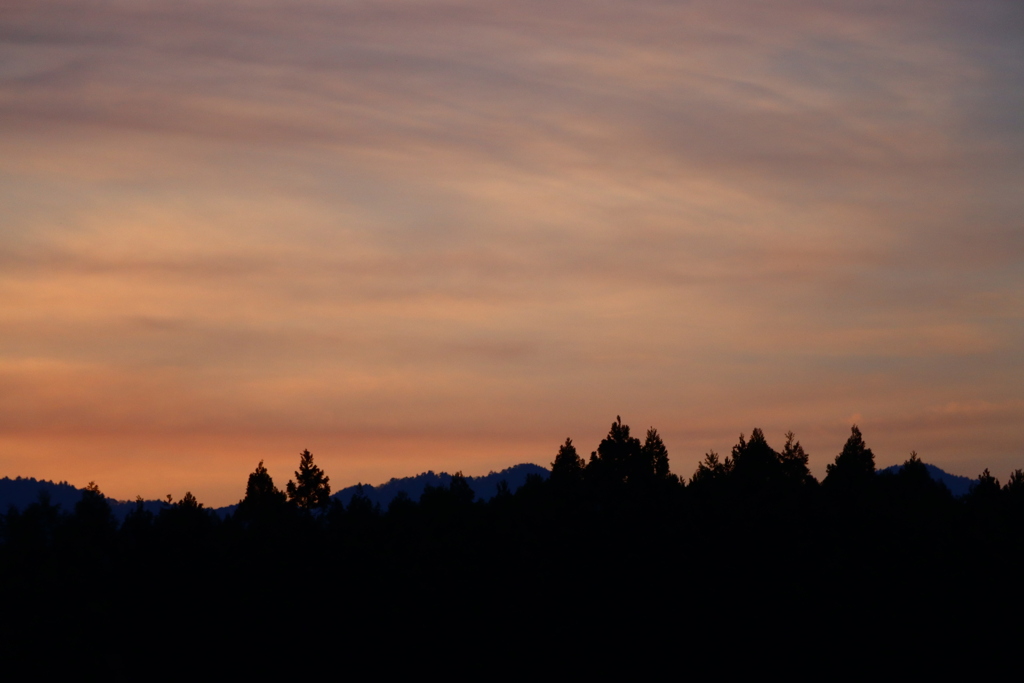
{"points": [[447, 235]]}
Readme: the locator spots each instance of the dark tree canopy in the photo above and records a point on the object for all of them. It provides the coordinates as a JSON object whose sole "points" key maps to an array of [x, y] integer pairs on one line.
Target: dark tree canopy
{"points": [[914, 470], [752, 533], [311, 489], [189, 502], [617, 457], [568, 465], [93, 512], [754, 460], [854, 466], [460, 489], [794, 462], [655, 455], [1015, 484], [987, 486], [260, 486], [754, 469], [263, 500], [711, 469]]}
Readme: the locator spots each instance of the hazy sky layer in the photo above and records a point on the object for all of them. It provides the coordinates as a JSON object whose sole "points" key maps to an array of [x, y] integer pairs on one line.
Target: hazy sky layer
{"points": [[447, 235]]}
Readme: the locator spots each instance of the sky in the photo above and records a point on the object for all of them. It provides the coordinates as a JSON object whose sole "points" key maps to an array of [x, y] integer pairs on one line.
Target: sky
{"points": [[447, 235]]}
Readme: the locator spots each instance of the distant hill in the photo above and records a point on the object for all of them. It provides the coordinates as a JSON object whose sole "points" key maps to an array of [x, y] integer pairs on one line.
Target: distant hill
{"points": [[485, 487], [957, 485], [21, 492]]}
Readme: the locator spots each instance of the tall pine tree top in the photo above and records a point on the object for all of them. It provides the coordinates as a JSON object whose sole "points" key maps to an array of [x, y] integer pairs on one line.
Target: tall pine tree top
{"points": [[311, 488], [855, 466]]}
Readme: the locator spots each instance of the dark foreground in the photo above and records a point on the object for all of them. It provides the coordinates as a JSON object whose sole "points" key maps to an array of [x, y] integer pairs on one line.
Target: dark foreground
{"points": [[611, 561]]}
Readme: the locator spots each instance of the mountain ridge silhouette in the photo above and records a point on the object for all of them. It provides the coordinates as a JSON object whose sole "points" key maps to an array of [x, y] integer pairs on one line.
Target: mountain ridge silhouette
{"points": [[958, 485], [485, 486], [20, 492]]}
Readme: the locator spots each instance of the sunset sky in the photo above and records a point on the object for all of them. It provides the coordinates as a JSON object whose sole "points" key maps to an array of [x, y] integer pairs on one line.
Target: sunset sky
{"points": [[414, 235]]}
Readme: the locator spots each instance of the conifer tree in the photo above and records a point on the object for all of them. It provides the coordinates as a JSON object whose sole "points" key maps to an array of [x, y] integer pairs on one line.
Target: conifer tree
{"points": [[656, 454], [93, 518], [794, 461], [754, 461], [568, 465], [712, 469], [854, 466], [260, 487], [262, 499], [311, 488], [616, 456]]}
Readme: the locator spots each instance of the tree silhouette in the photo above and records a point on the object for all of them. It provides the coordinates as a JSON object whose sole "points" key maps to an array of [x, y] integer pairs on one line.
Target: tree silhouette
{"points": [[854, 466], [1015, 484], [189, 502], [794, 461], [138, 522], [360, 506], [444, 504], [712, 469], [187, 521], [262, 499], [93, 515], [986, 487], [755, 463], [655, 455], [616, 457], [311, 489], [916, 487], [567, 469], [1013, 493], [33, 529], [460, 490]]}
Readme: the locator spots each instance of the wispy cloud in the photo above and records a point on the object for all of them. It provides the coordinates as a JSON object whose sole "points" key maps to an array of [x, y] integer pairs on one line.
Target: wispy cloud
{"points": [[422, 222]]}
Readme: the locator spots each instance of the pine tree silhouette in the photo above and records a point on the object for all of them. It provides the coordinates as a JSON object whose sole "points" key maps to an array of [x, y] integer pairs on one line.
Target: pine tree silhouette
{"points": [[263, 501], [311, 489], [854, 467], [655, 454], [567, 469]]}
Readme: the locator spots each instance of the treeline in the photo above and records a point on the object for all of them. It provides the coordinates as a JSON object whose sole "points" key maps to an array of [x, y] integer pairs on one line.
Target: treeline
{"points": [[608, 541]]}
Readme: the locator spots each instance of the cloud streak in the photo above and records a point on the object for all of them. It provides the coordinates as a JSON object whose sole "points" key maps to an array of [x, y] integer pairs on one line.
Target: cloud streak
{"points": [[477, 227]]}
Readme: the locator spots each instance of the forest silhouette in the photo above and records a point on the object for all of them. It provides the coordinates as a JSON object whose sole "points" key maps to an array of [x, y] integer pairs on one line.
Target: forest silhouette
{"points": [[614, 551]]}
